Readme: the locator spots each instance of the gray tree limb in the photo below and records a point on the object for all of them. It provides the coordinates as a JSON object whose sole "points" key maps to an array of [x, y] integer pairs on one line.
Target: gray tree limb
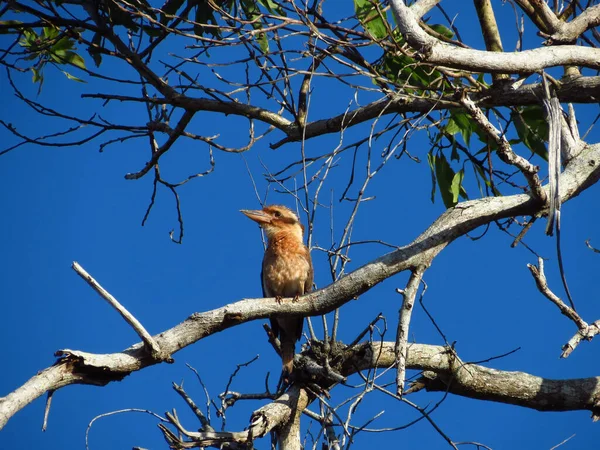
{"points": [[437, 52], [443, 372]]}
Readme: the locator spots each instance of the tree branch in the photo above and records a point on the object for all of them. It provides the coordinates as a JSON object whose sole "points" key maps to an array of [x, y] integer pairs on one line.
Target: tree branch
{"points": [[443, 372], [437, 52], [77, 367], [151, 346], [408, 301]]}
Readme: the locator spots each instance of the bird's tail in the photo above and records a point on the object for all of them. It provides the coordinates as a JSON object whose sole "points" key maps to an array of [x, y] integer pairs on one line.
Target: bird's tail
{"points": [[288, 350]]}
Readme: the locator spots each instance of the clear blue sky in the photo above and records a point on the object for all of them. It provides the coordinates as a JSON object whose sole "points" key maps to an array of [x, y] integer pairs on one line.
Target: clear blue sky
{"points": [[59, 205]]}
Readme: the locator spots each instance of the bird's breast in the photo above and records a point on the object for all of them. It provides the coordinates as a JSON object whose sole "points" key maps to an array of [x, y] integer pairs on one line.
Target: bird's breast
{"points": [[285, 273]]}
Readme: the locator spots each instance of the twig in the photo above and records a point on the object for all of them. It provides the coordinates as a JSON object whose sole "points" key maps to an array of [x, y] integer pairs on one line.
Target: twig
{"points": [[203, 420], [223, 395], [364, 332], [404, 314], [204, 388], [542, 284], [150, 344], [595, 250], [505, 151], [206, 438], [112, 413], [47, 410], [585, 331], [431, 422], [586, 334], [563, 442], [523, 231]]}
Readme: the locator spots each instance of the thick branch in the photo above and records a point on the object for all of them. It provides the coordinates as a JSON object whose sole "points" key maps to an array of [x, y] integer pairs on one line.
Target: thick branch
{"points": [[422, 7], [475, 381], [554, 28], [570, 31], [97, 369], [489, 29], [445, 373], [434, 51], [579, 90]]}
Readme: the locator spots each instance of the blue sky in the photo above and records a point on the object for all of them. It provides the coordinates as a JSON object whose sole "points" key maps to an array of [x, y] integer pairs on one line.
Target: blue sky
{"points": [[64, 204]]}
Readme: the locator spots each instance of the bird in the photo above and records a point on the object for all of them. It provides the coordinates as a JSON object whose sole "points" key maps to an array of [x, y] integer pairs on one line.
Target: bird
{"points": [[287, 271]]}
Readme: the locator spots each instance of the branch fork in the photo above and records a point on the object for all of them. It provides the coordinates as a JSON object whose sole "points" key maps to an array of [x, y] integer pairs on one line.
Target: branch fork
{"points": [[585, 331], [150, 344]]}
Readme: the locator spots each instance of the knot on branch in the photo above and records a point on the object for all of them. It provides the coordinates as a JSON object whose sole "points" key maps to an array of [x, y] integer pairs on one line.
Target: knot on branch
{"points": [[87, 369], [424, 52], [158, 126], [259, 425], [322, 363]]}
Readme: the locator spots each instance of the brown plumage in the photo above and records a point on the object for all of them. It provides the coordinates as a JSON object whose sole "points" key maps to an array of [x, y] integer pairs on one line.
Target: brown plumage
{"points": [[286, 271]]}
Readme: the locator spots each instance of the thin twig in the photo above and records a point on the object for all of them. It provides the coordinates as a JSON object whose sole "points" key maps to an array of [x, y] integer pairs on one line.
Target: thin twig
{"points": [[47, 409]]}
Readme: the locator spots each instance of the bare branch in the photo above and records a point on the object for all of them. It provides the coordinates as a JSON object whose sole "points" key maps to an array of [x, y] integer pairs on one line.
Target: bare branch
{"points": [[585, 332], [149, 341], [408, 295], [505, 151]]}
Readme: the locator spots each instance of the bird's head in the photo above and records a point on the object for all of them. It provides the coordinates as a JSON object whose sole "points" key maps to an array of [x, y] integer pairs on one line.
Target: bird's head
{"points": [[275, 219]]}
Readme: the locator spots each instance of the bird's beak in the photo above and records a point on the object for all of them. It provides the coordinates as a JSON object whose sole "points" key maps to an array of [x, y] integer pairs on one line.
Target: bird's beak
{"points": [[258, 215]]}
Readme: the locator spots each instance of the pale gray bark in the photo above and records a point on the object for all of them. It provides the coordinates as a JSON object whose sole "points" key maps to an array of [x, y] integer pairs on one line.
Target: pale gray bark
{"points": [[443, 371], [433, 51]]}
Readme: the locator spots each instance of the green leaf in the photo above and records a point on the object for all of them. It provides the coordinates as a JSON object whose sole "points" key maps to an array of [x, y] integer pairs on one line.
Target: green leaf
{"points": [[263, 41], [71, 77], [532, 129], [8, 24], [370, 18], [431, 161], [170, 7], [37, 75], [253, 14], [272, 7], [120, 17], [464, 123], [452, 127], [63, 44], [75, 59], [50, 32], [95, 52], [151, 31], [444, 31], [30, 36], [456, 186], [445, 178], [205, 15], [454, 156], [404, 69]]}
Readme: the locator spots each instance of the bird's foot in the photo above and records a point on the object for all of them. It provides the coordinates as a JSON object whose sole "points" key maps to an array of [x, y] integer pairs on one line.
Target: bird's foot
{"points": [[285, 381], [296, 298], [278, 299]]}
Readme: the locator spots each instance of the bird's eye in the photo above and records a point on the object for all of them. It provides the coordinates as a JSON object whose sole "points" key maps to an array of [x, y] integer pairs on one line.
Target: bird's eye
{"points": [[277, 214]]}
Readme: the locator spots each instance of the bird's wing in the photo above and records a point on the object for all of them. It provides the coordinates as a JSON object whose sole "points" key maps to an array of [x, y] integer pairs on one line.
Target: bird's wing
{"points": [[297, 323], [266, 293], [308, 284]]}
